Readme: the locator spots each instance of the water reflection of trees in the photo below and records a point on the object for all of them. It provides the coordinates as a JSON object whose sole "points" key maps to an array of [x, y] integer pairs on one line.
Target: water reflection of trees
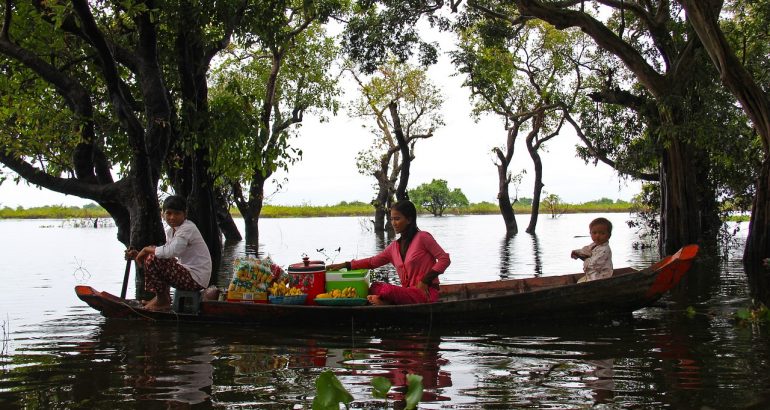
{"points": [[510, 258]]}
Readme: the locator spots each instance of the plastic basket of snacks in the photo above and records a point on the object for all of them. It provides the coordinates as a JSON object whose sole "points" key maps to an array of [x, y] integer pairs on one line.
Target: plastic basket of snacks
{"points": [[251, 279]]}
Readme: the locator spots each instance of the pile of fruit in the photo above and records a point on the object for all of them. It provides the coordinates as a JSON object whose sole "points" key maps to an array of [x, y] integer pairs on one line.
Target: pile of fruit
{"points": [[281, 288], [348, 292]]}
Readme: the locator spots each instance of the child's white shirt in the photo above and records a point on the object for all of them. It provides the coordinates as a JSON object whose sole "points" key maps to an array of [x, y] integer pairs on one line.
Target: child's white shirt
{"points": [[598, 265]]}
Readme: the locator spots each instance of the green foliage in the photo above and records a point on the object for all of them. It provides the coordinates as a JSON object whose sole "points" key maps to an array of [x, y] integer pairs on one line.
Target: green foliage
{"points": [[524, 201], [242, 145], [418, 103], [346, 209], [753, 315], [413, 391], [645, 208], [54, 212], [381, 30], [330, 392], [380, 387], [436, 197], [353, 208], [554, 205]]}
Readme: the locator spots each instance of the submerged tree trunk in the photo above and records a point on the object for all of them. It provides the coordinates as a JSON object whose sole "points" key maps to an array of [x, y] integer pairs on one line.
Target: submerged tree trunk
{"points": [[252, 208], [703, 15], [757, 246], [532, 148], [202, 206], [537, 191], [381, 206], [406, 155], [679, 223], [504, 178], [504, 200], [384, 198], [224, 218]]}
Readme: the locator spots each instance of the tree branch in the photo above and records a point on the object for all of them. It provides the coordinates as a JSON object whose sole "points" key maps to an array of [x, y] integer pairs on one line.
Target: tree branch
{"points": [[69, 186], [602, 157]]}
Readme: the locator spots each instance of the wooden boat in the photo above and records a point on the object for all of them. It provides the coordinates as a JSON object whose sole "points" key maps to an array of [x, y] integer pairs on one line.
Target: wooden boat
{"points": [[468, 303]]}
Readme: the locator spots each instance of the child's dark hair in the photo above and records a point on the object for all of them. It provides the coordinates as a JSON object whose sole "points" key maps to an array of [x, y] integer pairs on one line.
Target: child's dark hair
{"points": [[407, 208], [175, 203], [602, 221]]}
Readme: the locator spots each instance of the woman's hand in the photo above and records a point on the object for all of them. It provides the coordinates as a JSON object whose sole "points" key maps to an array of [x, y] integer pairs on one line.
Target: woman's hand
{"points": [[335, 266], [424, 287]]}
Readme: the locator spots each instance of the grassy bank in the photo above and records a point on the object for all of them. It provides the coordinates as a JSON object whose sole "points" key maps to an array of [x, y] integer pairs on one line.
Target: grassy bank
{"points": [[298, 211]]}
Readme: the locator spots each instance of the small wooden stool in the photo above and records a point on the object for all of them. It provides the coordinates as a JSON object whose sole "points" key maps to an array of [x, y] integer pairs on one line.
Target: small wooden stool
{"points": [[186, 301]]}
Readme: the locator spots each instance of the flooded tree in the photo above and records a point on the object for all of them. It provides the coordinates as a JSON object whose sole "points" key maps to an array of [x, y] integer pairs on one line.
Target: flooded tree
{"points": [[100, 87], [525, 74], [262, 92], [404, 107], [704, 15]]}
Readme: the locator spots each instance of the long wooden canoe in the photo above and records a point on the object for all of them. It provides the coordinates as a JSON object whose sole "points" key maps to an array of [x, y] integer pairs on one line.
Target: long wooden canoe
{"points": [[468, 303]]}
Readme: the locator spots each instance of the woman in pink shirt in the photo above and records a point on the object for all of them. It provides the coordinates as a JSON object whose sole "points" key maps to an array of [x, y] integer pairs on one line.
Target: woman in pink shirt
{"points": [[417, 257]]}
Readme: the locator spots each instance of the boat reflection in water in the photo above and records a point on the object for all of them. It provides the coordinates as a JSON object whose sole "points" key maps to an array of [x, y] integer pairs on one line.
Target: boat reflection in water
{"points": [[392, 358]]}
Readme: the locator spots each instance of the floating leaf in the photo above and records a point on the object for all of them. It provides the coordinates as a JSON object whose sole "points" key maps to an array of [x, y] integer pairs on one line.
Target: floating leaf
{"points": [[330, 392], [381, 387], [413, 391], [690, 312], [743, 314]]}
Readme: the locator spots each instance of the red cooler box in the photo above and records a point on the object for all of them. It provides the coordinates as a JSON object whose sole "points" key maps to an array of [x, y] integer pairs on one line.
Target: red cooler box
{"points": [[310, 276]]}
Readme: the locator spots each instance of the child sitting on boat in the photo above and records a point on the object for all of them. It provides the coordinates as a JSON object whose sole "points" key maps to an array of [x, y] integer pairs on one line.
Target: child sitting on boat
{"points": [[183, 262], [417, 257], [597, 256]]}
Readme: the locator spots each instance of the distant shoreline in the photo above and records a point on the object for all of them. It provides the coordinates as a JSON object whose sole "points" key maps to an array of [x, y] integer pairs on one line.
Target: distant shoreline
{"points": [[299, 211]]}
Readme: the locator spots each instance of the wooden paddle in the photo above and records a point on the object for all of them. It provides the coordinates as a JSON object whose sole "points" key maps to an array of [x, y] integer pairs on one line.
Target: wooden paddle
{"points": [[125, 279]]}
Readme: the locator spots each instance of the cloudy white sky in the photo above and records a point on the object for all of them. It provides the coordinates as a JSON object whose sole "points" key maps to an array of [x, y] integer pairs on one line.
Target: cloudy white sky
{"points": [[459, 153]]}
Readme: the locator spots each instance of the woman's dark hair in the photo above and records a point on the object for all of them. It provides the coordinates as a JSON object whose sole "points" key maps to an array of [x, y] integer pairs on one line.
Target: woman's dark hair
{"points": [[407, 208], [175, 202]]}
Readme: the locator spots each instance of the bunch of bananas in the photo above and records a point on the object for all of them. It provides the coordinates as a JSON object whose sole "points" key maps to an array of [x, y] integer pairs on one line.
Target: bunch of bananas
{"points": [[280, 288], [348, 292]]}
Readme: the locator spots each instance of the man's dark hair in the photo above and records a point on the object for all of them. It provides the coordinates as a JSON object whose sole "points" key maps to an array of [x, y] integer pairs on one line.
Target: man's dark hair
{"points": [[175, 202]]}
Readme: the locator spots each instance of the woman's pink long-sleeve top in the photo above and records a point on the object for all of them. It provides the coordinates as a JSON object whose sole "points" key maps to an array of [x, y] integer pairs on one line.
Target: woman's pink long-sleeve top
{"points": [[424, 255]]}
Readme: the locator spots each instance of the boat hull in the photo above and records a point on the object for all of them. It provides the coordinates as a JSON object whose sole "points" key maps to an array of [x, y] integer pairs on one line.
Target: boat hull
{"points": [[461, 304]]}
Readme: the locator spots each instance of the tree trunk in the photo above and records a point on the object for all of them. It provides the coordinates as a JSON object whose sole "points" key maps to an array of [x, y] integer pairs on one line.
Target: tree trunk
{"points": [[680, 210], [146, 225], [703, 15], [757, 246], [504, 200], [381, 220], [403, 180], [225, 219], [251, 227], [251, 209], [202, 207], [538, 189]]}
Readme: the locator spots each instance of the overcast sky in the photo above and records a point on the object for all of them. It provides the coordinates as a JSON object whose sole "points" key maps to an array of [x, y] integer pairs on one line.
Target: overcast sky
{"points": [[459, 153]]}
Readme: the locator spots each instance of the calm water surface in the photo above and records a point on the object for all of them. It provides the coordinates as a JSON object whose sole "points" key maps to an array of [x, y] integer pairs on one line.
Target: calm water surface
{"points": [[58, 353]]}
